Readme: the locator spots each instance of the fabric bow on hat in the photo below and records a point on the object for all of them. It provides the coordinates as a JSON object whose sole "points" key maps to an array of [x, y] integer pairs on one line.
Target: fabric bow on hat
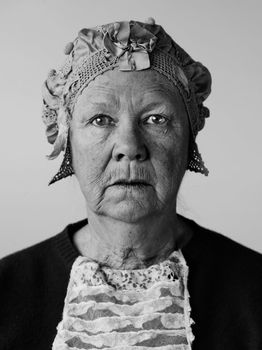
{"points": [[131, 43]]}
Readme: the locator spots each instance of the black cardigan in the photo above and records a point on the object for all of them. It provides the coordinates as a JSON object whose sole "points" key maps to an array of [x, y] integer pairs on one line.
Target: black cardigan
{"points": [[225, 287]]}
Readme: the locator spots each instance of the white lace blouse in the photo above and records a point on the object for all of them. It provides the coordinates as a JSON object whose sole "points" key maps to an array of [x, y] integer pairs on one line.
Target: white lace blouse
{"points": [[126, 309]]}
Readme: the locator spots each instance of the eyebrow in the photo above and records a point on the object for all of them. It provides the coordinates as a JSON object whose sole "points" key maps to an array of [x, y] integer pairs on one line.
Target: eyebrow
{"points": [[153, 104], [166, 105]]}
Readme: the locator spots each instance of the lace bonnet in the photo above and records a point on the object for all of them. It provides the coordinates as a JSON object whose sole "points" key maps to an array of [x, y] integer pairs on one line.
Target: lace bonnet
{"points": [[128, 46]]}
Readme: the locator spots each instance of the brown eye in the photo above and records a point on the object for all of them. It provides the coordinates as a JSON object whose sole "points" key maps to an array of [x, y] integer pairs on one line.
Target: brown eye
{"points": [[102, 120], [156, 119]]}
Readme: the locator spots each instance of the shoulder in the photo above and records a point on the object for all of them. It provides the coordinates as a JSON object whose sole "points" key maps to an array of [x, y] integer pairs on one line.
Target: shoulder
{"points": [[225, 287], [35, 251], [42, 262], [54, 252], [33, 285], [224, 266], [22, 271], [32, 256], [212, 246]]}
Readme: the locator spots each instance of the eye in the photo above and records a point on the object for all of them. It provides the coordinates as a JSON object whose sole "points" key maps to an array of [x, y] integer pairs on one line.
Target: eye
{"points": [[156, 119], [102, 120]]}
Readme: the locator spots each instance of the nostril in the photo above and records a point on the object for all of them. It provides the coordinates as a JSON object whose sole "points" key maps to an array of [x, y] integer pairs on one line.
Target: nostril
{"points": [[119, 156], [138, 157], [126, 151]]}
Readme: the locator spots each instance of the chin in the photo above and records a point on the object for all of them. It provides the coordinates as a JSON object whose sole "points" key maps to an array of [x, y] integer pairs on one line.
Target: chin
{"points": [[128, 211]]}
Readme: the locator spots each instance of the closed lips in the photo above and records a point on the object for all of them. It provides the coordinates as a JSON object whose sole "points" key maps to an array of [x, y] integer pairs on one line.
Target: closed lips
{"points": [[130, 183]]}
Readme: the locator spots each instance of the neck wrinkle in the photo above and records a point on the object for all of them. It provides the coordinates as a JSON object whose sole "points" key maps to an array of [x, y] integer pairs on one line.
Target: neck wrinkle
{"points": [[137, 247]]}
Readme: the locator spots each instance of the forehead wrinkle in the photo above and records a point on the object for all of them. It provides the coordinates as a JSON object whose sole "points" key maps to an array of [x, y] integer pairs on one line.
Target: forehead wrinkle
{"points": [[100, 96], [160, 88], [100, 90], [158, 98]]}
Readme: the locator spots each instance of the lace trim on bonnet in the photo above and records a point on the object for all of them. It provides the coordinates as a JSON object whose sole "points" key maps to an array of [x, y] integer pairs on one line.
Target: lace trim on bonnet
{"points": [[126, 309]]}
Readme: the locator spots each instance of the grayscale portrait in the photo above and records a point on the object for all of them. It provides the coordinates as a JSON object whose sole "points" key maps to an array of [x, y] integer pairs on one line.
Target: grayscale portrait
{"points": [[123, 179]]}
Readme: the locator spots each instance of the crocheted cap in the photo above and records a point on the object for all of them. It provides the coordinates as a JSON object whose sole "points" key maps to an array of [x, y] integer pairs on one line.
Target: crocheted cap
{"points": [[128, 46]]}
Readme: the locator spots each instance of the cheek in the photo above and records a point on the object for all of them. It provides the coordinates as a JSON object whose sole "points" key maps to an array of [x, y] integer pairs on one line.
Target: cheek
{"points": [[89, 158], [169, 158]]}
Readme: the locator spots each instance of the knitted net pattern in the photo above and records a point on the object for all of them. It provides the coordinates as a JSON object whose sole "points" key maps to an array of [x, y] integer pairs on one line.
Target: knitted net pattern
{"points": [[92, 66]]}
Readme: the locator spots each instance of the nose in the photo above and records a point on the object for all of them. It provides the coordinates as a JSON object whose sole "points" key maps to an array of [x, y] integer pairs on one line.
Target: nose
{"points": [[129, 145]]}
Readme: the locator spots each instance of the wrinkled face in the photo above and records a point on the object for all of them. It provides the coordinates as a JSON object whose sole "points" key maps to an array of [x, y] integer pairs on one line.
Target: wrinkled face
{"points": [[129, 139]]}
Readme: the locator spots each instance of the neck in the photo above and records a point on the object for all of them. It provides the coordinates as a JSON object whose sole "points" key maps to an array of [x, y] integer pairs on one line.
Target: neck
{"points": [[122, 245]]}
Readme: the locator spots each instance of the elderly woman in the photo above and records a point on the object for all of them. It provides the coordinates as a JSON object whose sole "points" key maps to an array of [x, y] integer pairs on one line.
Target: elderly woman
{"points": [[126, 108]]}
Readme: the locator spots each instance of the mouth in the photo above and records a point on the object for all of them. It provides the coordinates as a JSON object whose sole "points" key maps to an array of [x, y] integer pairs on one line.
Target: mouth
{"points": [[131, 184]]}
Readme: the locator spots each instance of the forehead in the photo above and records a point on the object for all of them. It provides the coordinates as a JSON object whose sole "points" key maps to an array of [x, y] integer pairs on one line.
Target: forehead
{"points": [[117, 86]]}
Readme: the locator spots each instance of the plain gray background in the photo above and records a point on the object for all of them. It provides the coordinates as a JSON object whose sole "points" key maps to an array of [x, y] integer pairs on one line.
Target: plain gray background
{"points": [[224, 35]]}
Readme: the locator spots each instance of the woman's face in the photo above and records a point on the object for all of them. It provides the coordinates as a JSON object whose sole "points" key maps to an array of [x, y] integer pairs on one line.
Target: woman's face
{"points": [[129, 139]]}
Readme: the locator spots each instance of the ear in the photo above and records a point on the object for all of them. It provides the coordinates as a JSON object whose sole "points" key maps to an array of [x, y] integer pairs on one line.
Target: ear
{"points": [[200, 79]]}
